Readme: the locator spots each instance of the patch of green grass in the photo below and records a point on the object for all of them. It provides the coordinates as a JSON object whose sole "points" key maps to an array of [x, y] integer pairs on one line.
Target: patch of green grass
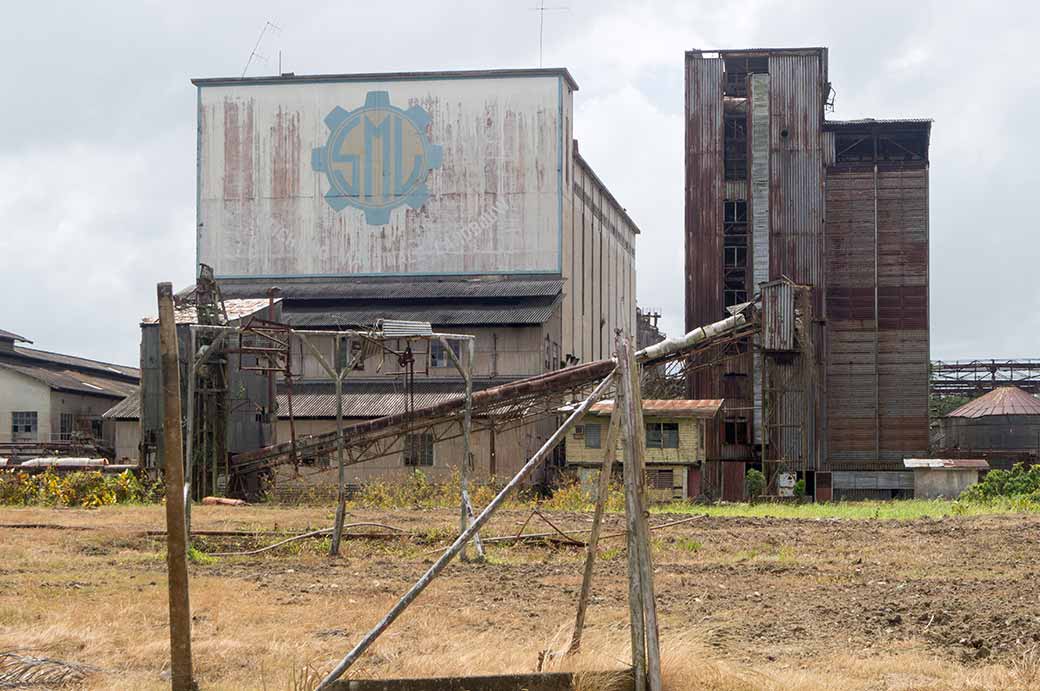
{"points": [[899, 510], [196, 556]]}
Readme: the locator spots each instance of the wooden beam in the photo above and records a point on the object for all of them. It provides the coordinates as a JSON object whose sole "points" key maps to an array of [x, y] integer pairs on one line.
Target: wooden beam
{"points": [[176, 528]]}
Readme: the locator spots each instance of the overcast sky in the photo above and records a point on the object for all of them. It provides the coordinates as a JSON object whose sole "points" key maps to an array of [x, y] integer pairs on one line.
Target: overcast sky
{"points": [[97, 133]]}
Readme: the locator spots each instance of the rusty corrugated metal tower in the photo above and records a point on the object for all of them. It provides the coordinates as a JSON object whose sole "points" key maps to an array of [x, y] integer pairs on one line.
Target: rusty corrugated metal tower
{"points": [[773, 190]]}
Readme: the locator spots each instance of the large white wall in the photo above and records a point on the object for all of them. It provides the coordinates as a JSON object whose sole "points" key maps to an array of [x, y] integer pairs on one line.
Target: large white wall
{"points": [[19, 392], [495, 201]]}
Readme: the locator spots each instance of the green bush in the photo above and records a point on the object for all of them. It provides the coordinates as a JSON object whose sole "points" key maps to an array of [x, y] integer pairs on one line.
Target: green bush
{"points": [[1020, 482], [754, 483], [799, 488], [81, 488]]}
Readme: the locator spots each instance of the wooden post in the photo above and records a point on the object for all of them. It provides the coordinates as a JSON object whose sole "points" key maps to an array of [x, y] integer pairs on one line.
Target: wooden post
{"points": [[605, 472], [341, 478], [176, 529], [466, 512], [467, 535], [641, 578]]}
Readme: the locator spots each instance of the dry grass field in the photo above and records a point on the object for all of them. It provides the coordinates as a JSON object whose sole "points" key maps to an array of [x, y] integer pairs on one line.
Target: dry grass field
{"points": [[745, 602]]}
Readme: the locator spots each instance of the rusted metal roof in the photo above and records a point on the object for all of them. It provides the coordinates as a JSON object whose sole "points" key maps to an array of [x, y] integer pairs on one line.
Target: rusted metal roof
{"points": [[235, 308], [380, 289], [947, 463], [103, 368], [11, 336], [706, 408], [127, 409], [1006, 400]]}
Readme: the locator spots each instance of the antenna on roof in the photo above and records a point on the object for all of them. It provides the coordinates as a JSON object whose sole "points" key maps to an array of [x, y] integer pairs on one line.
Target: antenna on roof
{"points": [[542, 9], [254, 54]]}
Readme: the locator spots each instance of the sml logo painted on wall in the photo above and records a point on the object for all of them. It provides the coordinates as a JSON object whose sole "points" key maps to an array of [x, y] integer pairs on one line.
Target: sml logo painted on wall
{"points": [[377, 157]]}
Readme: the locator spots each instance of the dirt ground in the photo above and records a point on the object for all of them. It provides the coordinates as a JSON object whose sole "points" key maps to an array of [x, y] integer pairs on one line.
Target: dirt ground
{"points": [[744, 602]]}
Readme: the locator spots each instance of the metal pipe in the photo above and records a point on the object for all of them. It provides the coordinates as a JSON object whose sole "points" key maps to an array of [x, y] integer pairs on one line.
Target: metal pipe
{"points": [[466, 535]]}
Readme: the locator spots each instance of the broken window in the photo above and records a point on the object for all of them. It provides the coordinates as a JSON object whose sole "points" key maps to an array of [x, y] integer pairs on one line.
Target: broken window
{"points": [[736, 430], [735, 159], [439, 354], [418, 449], [735, 252], [23, 425], [737, 70], [592, 435], [660, 478], [662, 435]]}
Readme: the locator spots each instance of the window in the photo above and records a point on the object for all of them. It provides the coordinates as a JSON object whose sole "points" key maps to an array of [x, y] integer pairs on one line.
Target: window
{"points": [[660, 478], [662, 435], [348, 351], [735, 252], [439, 355], [65, 429], [736, 431], [23, 425], [735, 156], [592, 435], [418, 449]]}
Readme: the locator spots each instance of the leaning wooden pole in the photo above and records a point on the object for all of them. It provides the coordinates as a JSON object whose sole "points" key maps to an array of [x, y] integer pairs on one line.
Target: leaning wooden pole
{"points": [[639, 533], [605, 473], [456, 547], [176, 528]]}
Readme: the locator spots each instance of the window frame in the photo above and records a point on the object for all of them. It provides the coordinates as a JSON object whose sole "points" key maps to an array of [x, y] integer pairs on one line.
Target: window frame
{"points": [[442, 355], [426, 457], [31, 422], [656, 437], [589, 426]]}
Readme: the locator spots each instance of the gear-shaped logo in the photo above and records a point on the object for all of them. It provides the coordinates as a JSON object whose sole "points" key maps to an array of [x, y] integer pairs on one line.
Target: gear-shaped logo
{"points": [[377, 157]]}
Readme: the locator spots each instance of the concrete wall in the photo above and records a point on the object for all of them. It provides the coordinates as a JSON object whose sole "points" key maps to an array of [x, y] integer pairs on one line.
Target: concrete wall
{"points": [[495, 152], [19, 392], [932, 483], [83, 409]]}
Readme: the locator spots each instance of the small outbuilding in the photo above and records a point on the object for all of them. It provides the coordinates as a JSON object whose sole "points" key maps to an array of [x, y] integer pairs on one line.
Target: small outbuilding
{"points": [[937, 478], [680, 436], [1002, 424]]}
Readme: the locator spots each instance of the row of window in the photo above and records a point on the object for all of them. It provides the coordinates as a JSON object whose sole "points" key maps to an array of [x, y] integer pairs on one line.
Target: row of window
{"points": [[659, 435], [25, 426]]}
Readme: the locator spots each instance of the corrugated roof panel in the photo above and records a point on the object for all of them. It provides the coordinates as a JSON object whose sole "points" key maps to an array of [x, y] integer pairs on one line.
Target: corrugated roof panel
{"points": [[438, 315], [11, 336], [127, 409], [1005, 400], [76, 362], [72, 380], [672, 407], [375, 289]]}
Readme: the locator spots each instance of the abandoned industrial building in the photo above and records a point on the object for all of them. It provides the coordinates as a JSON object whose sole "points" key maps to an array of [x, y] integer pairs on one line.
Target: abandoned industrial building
{"points": [[455, 199], [51, 403], [775, 190]]}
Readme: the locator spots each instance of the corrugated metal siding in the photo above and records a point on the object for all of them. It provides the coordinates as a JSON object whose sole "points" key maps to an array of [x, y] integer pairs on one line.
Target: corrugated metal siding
{"points": [[440, 315], [704, 189], [796, 168], [877, 368], [395, 290], [778, 316]]}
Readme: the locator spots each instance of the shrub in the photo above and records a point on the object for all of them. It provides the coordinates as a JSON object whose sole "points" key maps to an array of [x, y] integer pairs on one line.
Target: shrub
{"points": [[754, 483], [1018, 482], [799, 488], [82, 488]]}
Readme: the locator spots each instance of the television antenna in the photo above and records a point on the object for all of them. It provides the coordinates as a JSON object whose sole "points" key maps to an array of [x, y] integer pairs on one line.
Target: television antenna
{"points": [[255, 54], [541, 10]]}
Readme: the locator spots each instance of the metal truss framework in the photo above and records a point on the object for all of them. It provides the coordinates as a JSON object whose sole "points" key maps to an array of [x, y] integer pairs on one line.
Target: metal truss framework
{"points": [[976, 377]]}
